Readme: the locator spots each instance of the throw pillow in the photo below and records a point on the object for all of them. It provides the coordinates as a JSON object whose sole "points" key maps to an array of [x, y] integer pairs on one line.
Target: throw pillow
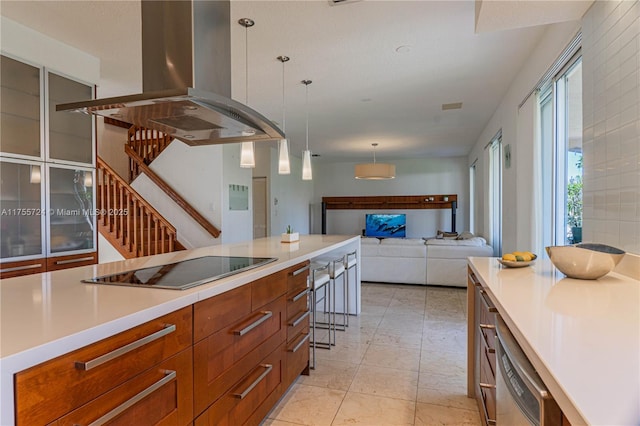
{"points": [[466, 235]]}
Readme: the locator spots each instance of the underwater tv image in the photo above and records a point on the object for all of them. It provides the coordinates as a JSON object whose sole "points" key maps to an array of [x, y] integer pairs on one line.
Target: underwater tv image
{"points": [[386, 225]]}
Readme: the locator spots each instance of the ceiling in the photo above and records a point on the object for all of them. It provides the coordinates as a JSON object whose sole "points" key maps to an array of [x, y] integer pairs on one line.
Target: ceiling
{"points": [[381, 70]]}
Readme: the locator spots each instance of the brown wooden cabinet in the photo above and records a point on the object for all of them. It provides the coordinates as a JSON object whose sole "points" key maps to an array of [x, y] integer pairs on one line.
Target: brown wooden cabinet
{"points": [[50, 390], [222, 361], [162, 395], [296, 350], [481, 365], [240, 332]]}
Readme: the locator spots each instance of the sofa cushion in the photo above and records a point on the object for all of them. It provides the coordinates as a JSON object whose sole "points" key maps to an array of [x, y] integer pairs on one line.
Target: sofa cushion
{"points": [[402, 242], [474, 242], [456, 252], [402, 247]]}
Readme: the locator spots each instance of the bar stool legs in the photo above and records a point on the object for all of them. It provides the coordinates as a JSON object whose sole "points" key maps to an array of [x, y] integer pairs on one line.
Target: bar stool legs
{"points": [[319, 280], [351, 261]]}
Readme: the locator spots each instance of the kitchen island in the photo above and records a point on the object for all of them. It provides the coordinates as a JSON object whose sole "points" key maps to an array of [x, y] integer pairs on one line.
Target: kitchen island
{"points": [[44, 316], [581, 336]]}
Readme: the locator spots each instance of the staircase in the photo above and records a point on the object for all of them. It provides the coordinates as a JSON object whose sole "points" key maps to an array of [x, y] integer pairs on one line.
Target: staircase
{"points": [[147, 145], [124, 217], [129, 222]]}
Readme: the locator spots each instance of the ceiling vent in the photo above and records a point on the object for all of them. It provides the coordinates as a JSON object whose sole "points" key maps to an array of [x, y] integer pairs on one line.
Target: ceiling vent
{"points": [[455, 105]]}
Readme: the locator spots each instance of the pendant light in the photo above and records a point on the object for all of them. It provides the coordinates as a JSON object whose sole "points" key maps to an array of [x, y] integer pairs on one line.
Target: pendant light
{"points": [[375, 171], [284, 166], [306, 155], [247, 152]]}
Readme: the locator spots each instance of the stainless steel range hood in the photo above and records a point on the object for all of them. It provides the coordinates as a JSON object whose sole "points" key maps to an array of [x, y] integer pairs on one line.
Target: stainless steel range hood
{"points": [[186, 65]]}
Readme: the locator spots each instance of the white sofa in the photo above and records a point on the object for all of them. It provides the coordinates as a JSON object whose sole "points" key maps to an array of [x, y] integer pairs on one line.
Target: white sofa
{"points": [[418, 261]]}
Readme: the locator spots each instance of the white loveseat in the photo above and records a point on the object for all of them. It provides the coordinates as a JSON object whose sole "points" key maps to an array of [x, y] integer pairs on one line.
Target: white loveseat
{"points": [[416, 261]]}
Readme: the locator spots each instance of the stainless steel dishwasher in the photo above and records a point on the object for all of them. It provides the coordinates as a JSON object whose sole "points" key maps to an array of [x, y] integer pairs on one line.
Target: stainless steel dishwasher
{"points": [[521, 396]]}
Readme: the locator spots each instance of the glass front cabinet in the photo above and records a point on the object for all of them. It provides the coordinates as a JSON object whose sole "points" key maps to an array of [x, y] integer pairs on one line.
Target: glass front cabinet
{"points": [[47, 170]]}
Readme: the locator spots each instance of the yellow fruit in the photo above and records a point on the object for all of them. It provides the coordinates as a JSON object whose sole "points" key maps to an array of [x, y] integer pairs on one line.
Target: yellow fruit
{"points": [[509, 257], [518, 253], [526, 256]]}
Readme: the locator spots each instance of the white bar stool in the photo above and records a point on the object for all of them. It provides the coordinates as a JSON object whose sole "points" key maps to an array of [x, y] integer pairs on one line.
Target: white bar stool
{"points": [[336, 270], [351, 261]]}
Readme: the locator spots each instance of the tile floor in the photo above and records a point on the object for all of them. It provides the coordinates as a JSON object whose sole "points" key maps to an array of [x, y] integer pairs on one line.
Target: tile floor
{"points": [[401, 362]]}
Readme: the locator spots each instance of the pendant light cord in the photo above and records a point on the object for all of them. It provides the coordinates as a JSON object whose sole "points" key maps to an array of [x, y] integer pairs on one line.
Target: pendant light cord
{"points": [[307, 108], [246, 62], [283, 109]]}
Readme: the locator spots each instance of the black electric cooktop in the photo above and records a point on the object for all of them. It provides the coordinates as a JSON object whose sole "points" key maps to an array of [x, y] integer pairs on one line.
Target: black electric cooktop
{"points": [[183, 274]]}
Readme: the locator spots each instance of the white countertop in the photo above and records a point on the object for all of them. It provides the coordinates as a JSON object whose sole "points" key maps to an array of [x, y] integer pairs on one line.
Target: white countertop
{"points": [[582, 336], [46, 315]]}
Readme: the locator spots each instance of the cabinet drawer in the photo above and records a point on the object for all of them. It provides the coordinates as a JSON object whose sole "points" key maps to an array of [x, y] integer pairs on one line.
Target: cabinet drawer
{"points": [[267, 289], [239, 405], [22, 267], [487, 390], [224, 357], [162, 395], [297, 277], [489, 358], [489, 406], [48, 391], [71, 261], [297, 314], [218, 312], [296, 355]]}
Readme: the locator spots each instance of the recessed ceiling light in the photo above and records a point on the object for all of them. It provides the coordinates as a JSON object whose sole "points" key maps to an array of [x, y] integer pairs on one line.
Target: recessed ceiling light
{"points": [[403, 49], [454, 105]]}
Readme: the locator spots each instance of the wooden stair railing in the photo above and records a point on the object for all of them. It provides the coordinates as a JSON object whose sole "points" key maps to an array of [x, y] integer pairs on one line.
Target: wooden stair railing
{"points": [[127, 220], [147, 144], [138, 166]]}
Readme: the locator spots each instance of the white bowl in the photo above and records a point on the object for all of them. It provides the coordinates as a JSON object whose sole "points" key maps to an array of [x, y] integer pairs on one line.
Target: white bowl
{"points": [[586, 261]]}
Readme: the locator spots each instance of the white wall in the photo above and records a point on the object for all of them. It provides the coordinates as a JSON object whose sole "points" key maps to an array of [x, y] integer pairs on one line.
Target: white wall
{"points": [[425, 176], [611, 120], [516, 220], [111, 141], [106, 252], [288, 196], [294, 197], [237, 225], [196, 174]]}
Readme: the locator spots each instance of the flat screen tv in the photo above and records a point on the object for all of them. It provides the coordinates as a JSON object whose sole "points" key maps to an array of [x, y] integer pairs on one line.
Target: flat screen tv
{"points": [[386, 225]]}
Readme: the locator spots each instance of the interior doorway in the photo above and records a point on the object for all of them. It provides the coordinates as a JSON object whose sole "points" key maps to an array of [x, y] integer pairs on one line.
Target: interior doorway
{"points": [[259, 207]]}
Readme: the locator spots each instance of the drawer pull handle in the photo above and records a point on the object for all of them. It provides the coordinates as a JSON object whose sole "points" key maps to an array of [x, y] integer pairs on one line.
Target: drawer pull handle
{"points": [[300, 343], [169, 376], [301, 270], [85, 366], [486, 341], [299, 319], [486, 385], [20, 268], [265, 316], [486, 304], [244, 393], [80, 259], [487, 326], [300, 295]]}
